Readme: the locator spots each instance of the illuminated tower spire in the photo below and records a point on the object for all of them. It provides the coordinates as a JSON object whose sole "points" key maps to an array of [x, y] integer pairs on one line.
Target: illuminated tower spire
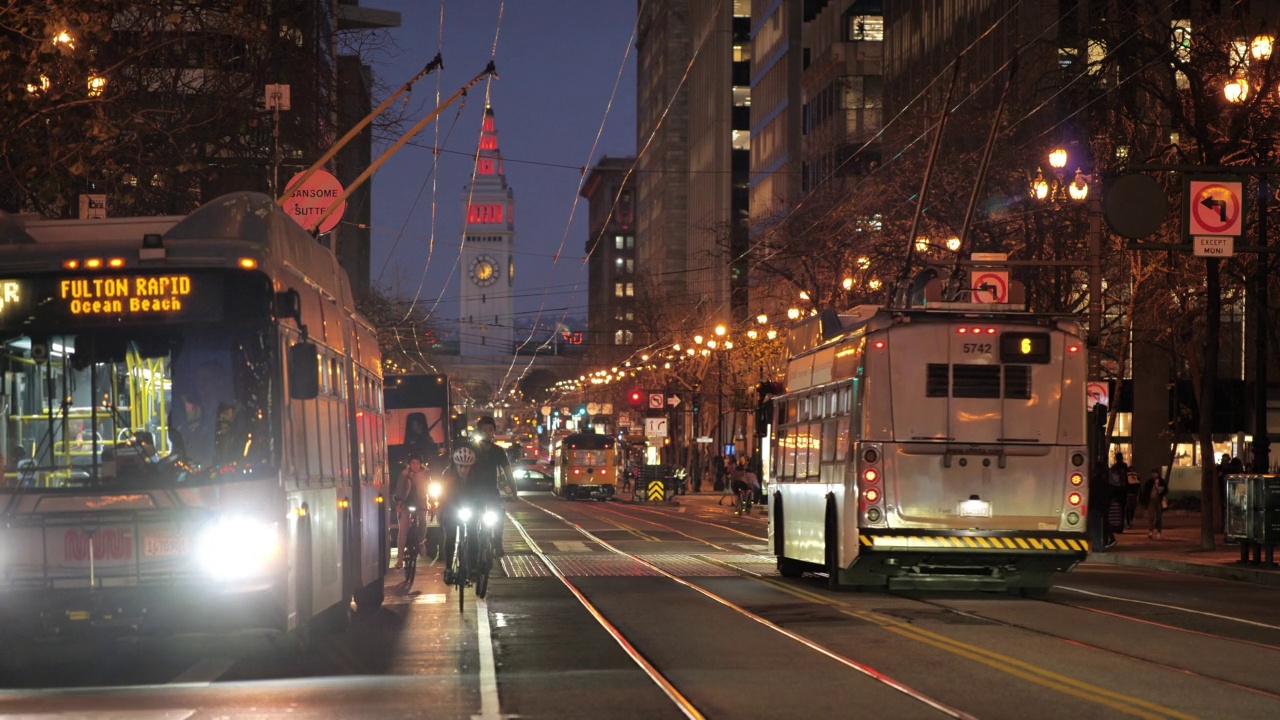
{"points": [[488, 267]]}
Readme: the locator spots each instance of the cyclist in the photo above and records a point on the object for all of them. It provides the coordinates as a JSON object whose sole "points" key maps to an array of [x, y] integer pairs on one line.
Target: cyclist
{"points": [[410, 491], [491, 471], [466, 486], [745, 487]]}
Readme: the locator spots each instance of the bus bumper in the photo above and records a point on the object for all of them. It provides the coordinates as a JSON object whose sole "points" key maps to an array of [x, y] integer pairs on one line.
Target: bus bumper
{"points": [[956, 561], [141, 611]]}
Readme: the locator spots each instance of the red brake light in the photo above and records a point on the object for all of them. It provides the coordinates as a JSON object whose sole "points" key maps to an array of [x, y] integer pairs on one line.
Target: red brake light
{"points": [[991, 331], [870, 475], [872, 495], [1077, 479], [962, 330], [1074, 498], [1073, 348], [879, 344]]}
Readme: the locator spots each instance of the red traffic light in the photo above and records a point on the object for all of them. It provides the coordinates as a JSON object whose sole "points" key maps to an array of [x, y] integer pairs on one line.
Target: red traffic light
{"points": [[636, 398]]}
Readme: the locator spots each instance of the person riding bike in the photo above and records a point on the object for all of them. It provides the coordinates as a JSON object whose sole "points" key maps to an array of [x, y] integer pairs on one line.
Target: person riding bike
{"points": [[492, 469], [745, 487], [411, 489], [466, 487]]}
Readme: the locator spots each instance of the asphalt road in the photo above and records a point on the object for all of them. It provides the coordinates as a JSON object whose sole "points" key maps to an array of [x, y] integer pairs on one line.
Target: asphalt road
{"points": [[634, 611]]}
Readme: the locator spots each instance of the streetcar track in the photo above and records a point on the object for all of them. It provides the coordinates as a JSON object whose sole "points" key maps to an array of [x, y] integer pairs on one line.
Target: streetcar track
{"points": [[701, 522], [1110, 651], [1018, 668], [663, 682], [1024, 670], [668, 527]]}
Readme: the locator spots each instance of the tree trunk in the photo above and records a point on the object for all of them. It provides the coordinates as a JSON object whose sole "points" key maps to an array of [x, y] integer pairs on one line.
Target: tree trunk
{"points": [[1208, 381]]}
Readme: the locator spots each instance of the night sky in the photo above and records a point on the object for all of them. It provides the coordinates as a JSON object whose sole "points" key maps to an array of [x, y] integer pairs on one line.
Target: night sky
{"points": [[557, 63]]}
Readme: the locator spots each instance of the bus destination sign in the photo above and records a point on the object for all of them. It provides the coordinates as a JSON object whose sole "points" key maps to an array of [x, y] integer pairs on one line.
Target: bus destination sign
{"points": [[125, 295], [80, 300]]}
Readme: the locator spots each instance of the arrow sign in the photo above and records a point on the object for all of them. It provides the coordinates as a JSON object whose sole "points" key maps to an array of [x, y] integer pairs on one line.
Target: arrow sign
{"points": [[656, 401], [657, 491], [1215, 204], [1214, 207], [673, 400]]}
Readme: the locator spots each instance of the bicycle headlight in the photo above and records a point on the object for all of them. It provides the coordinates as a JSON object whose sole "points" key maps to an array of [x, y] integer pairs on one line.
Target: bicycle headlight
{"points": [[235, 548], [435, 489], [464, 514], [413, 509], [490, 518]]}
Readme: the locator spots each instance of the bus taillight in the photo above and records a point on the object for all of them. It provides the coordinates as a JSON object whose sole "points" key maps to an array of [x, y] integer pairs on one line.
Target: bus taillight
{"points": [[871, 495], [1077, 479], [1074, 498], [870, 475], [870, 456]]}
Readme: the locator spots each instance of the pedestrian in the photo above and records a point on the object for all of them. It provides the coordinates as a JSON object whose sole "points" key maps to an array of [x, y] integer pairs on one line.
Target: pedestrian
{"points": [[1117, 487], [1100, 533], [1155, 493], [1132, 488]]}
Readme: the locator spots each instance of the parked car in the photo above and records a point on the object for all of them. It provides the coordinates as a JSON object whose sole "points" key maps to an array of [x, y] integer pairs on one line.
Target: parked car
{"points": [[532, 475]]}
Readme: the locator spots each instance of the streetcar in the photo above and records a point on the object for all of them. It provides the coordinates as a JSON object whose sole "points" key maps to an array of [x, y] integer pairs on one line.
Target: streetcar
{"points": [[191, 425], [585, 466], [931, 447]]}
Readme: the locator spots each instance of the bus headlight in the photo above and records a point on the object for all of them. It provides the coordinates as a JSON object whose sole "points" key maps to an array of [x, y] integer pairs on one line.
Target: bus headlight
{"points": [[234, 548], [464, 514], [490, 518]]}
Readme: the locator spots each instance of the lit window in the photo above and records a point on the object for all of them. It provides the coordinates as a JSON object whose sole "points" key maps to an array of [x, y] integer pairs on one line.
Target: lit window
{"points": [[741, 96], [741, 140], [866, 27], [631, 242], [617, 241], [631, 290], [617, 289], [617, 338], [631, 265]]}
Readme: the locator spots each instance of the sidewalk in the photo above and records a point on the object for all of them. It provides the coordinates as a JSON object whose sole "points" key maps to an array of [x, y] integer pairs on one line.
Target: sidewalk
{"points": [[1178, 550]]}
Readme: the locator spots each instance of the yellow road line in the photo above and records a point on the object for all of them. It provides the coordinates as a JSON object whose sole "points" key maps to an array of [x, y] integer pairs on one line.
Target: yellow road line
{"points": [[1120, 702]]}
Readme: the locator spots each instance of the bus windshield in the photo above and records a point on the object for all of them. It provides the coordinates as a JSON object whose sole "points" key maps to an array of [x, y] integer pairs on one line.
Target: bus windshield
{"points": [[122, 407]]}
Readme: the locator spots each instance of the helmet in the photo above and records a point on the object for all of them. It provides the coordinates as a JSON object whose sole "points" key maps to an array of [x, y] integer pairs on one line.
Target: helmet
{"points": [[464, 456]]}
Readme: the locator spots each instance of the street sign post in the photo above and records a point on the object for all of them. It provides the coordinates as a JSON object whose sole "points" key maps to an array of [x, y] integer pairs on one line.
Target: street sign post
{"points": [[657, 401], [990, 286]]}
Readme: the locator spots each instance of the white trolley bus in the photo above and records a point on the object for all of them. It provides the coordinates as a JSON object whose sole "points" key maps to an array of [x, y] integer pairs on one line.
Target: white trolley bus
{"points": [[191, 422], [932, 448]]}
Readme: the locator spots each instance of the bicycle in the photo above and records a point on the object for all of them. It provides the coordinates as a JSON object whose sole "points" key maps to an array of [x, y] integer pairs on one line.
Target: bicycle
{"points": [[473, 559], [413, 547], [743, 500]]}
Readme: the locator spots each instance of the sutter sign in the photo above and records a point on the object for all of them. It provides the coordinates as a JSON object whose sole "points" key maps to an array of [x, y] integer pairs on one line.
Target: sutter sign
{"points": [[307, 202]]}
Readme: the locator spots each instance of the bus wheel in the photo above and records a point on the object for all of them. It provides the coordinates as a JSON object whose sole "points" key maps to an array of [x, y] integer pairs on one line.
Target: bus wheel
{"points": [[832, 547]]}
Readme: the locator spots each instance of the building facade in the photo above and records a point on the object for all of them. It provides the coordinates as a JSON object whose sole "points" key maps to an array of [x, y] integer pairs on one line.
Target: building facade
{"points": [[613, 327]]}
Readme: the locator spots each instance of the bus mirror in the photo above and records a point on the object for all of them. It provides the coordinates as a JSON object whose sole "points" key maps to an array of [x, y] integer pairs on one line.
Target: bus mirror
{"points": [[304, 371], [289, 305]]}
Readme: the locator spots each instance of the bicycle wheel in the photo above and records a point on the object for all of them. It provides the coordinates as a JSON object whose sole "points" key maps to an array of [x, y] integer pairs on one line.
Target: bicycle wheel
{"points": [[484, 563], [411, 565], [461, 576]]}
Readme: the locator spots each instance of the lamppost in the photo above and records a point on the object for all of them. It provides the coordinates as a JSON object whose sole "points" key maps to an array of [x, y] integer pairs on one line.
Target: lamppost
{"points": [[1236, 91], [1056, 189]]}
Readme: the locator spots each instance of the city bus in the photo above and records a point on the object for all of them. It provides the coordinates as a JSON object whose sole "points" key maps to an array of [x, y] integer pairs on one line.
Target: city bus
{"points": [[586, 466], [931, 447], [192, 428]]}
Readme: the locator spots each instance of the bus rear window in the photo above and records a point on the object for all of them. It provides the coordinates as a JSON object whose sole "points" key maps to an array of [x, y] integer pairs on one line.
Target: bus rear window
{"points": [[591, 458]]}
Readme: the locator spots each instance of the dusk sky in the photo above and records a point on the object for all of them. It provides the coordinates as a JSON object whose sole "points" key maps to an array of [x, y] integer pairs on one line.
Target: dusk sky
{"points": [[557, 62]]}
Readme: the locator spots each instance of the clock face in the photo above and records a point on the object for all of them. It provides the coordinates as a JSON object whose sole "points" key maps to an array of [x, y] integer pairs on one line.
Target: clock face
{"points": [[484, 271]]}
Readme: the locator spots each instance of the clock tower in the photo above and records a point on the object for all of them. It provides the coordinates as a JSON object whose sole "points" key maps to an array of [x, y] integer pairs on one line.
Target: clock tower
{"points": [[485, 322]]}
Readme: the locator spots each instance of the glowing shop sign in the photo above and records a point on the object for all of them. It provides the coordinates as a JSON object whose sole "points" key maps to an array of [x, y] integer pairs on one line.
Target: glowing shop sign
{"points": [[125, 295]]}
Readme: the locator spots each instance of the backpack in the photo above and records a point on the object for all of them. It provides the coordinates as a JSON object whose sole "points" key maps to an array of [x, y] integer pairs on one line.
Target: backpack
{"points": [[1114, 478]]}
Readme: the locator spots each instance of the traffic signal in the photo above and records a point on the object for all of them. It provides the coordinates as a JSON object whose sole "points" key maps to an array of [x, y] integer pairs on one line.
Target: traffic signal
{"points": [[635, 399]]}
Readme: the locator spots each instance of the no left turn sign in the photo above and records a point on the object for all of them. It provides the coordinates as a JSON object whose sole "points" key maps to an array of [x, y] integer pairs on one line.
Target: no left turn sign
{"points": [[990, 286], [1214, 207]]}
